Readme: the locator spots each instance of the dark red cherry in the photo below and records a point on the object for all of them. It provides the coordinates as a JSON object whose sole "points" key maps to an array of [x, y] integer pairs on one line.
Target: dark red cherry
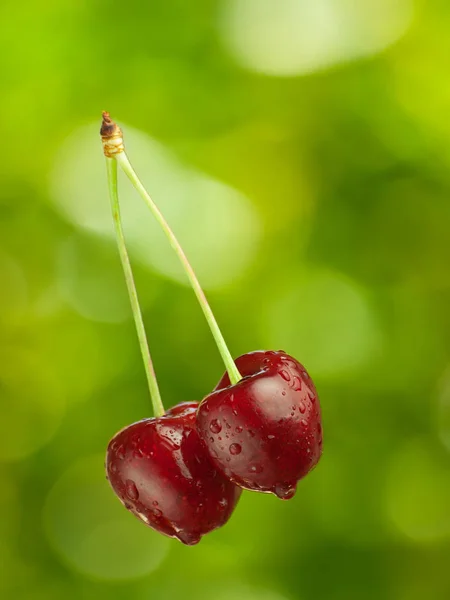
{"points": [[265, 432], [161, 472]]}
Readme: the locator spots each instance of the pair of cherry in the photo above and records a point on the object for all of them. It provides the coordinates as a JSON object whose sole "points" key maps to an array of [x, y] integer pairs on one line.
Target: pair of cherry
{"points": [[182, 472]]}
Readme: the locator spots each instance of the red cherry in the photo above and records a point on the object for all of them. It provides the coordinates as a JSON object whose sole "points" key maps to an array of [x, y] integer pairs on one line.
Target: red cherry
{"points": [[265, 432], [162, 473]]}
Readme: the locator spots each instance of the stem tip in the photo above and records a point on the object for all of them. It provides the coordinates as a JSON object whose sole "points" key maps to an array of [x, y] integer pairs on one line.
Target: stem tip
{"points": [[111, 135]]}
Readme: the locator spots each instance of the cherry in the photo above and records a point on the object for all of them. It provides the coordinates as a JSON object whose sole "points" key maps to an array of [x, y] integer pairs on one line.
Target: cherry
{"points": [[264, 433], [159, 469]]}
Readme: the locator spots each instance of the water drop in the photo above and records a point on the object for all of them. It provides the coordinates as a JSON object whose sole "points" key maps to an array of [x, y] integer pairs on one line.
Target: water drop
{"points": [[251, 433], [283, 393], [215, 426], [228, 426], [219, 438], [223, 503], [131, 490], [296, 384], [235, 449], [256, 468], [238, 429], [121, 452], [143, 517], [211, 440], [304, 422], [302, 407], [270, 437], [312, 396], [284, 491], [235, 412], [113, 467], [285, 375], [138, 453], [155, 503], [188, 538]]}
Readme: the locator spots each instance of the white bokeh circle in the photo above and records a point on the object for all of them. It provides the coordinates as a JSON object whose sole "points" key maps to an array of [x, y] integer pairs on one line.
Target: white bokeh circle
{"points": [[218, 226], [325, 320], [417, 496], [294, 37], [91, 530]]}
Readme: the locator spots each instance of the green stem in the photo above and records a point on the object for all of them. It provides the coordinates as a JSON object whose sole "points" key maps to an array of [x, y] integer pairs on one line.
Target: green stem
{"points": [[158, 407], [232, 370]]}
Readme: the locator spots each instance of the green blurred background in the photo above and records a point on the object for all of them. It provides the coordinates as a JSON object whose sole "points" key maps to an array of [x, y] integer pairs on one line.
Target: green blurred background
{"points": [[301, 151]]}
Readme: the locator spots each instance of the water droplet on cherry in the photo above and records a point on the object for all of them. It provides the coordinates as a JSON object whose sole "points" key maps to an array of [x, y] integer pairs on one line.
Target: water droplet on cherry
{"points": [[296, 384], [285, 375], [256, 468], [188, 538], [302, 407], [235, 449], [284, 491], [131, 489], [215, 426]]}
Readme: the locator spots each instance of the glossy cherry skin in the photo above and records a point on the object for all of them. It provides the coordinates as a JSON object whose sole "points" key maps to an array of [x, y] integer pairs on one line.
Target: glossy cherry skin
{"points": [[265, 432], [161, 472]]}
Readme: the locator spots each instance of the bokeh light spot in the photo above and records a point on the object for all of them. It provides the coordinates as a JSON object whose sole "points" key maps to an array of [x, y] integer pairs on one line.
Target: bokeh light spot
{"points": [[323, 319], [294, 37], [243, 592], [443, 411], [14, 292], [32, 403], [418, 493], [90, 279], [203, 212], [92, 531]]}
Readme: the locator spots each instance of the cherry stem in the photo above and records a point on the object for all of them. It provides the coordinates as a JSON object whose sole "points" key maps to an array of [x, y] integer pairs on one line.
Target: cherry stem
{"points": [[231, 368], [111, 166]]}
